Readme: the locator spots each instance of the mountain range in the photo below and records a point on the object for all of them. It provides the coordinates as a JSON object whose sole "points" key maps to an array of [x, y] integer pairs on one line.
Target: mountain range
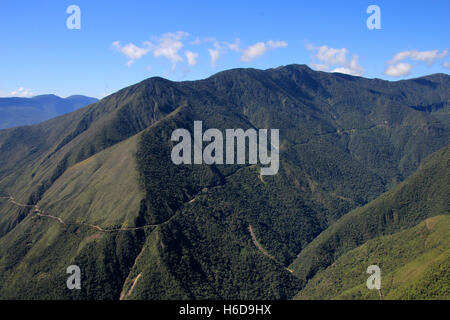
{"points": [[363, 179], [17, 111]]}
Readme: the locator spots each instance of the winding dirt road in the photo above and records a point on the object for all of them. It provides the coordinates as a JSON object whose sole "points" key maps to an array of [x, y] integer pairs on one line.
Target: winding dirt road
{"points": [[40, 213], [261, 249]]}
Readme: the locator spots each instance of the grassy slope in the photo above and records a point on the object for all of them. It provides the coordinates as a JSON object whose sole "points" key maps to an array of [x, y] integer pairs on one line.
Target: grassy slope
{"points": [[37, 253], [414, 265], [103, 189], [424, 194]]}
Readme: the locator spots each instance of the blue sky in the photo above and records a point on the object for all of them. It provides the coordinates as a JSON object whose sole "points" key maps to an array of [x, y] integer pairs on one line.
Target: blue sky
{"points": [[123, 42]]}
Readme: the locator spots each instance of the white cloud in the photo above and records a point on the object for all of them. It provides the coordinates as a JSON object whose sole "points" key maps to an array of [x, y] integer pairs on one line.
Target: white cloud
{"points": [[351, 67], [21, 92], [254, 51], [320, 67], [199, 40], [397, 67], [248, 54], [425, 56], [332, 56], [398, 70], [446, 64], [259, 48], [235, 46], [335, 60], [168, 46], [214, 54], [276, 44], [191, 57], [131, 51], [217, 51]]}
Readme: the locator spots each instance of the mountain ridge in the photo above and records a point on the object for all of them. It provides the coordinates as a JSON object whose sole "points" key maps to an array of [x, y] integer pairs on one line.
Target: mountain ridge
{"points": [[18, 111]]}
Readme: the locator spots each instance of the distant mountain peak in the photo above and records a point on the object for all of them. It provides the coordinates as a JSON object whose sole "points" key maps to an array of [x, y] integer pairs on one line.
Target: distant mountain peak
{"points": [[17, 111]]}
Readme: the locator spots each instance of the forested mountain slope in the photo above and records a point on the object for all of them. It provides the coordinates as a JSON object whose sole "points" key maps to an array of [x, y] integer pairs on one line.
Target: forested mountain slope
{"points": [[414, 264], [391, 221], [343, 142]]}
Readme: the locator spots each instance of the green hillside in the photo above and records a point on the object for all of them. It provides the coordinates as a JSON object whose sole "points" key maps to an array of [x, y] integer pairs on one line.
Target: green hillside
{"points": [[89, 189], [344, 141], [425, 194], [39, 250], [414, 265]]}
